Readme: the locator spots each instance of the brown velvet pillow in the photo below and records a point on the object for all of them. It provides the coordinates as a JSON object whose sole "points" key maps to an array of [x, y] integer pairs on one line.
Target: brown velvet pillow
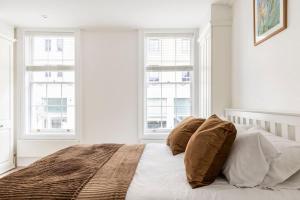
{"points": [[208, 150], [181, 134], [171, 133]]}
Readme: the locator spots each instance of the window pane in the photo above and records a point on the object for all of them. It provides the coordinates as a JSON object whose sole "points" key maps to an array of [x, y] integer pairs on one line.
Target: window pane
{"points": [[168, 51], [153, 77], [166, 112], [168, 77], [168, 92], [154, 51], [183, 51], [153, 117], [157, 124], [68, 93], [39, 76], [153, 112], [53, 76], [57, 109], [182, 106], [54, 101], [156, 102], [38, 93], [54, 120], [183, 109], [168, 115], [60, 45], [56, 123], [68, 77], [68, 118], [68, 51], [39, 117], [184, 76], [154, 91], [40, 53], [183, 91], [50, 50], [54, 90], [50, 94]]}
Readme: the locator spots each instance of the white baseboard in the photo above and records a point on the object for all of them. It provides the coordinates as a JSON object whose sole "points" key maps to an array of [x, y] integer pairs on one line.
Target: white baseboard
{"points": [[25, 161], [6, 167]]}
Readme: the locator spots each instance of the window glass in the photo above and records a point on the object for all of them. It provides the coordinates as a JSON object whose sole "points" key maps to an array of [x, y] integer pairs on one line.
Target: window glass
{"points": [[168, 51], [50, 50], [168, 83], [51, 88]]}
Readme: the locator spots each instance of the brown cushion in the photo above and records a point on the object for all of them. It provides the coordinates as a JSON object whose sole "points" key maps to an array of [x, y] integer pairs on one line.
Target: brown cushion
{"points": [[181, 134], [208, 150], [171, 133]]}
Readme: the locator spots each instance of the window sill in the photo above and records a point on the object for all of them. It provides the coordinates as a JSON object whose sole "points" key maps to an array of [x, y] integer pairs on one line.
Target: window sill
{"points": [[155, 136], [50, 136]]}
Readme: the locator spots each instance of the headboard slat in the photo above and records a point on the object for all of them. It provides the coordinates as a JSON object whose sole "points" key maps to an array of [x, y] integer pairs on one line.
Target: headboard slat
{"points": [[291, 133], [285, 130], [278, 130], [297, 133], [273, 128], [285, 125]]}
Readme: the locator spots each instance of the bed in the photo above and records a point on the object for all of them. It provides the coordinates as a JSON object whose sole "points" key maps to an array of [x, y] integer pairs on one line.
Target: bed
{"points": [[135, 172], [160, 175]]}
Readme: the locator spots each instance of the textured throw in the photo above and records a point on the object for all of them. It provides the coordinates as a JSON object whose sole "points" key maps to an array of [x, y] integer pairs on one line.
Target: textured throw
{"points": [[111, 182], [78, 172]]}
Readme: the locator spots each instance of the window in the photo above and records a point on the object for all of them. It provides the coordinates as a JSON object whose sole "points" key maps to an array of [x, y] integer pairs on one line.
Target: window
{"points": [[47, 45], [50, 83], [60, 45], [157, 118], [168, 80], [182, 109], [186, 76], [154, 45]]}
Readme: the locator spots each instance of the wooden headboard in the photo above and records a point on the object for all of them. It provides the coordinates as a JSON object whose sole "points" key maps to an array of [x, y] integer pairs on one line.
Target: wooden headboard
{"points": [[285, 125]]}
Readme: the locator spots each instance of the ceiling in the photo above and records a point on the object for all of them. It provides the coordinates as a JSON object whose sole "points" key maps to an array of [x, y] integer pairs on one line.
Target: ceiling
{"points": [[105, 13]]}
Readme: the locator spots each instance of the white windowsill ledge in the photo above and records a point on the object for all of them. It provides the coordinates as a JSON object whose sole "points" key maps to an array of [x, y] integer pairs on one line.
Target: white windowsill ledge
{"points": [[155, 136], [50, 136]]}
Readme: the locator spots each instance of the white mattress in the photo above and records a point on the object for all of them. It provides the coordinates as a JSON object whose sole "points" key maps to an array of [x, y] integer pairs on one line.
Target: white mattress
{"points": [[160, 175]]}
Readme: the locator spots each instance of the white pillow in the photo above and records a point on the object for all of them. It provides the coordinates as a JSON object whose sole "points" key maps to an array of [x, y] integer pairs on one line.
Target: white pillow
{"points": [[241, 128], [249, 160], [292, 183], [286, 165]]}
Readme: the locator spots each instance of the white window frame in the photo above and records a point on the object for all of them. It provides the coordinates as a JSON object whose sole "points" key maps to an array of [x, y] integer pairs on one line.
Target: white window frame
{"points": [[162, 135], [21, 119]]}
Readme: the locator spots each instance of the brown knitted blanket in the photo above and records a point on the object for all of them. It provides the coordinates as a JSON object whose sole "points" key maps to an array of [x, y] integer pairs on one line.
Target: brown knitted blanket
{"points": [[79, 172]]}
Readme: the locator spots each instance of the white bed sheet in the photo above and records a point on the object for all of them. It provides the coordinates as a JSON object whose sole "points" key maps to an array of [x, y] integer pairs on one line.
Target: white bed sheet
{"points": [[160, 175]]}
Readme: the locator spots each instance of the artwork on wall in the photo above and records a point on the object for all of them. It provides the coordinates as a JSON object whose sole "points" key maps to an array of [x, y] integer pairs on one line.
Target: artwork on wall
{"points": [[270, 18]]}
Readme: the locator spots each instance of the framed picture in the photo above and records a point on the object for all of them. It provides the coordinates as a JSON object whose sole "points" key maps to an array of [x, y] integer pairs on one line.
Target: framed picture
{"points": [[270, 18]]}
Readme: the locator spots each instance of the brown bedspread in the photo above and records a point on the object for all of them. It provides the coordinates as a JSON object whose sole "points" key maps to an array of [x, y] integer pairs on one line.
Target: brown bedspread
{"points": [[78, 172]]}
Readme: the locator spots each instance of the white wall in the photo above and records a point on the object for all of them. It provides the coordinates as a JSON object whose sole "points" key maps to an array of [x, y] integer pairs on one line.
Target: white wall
{"points": [[266, 77], [6, 30], [221, 20], [215, 61], [109, 83]]}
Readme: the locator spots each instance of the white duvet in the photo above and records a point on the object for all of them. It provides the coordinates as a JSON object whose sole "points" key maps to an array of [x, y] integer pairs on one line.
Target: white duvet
{"points": [[160, 175]]}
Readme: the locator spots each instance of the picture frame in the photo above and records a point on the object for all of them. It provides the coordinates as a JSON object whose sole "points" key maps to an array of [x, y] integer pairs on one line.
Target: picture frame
{"points": [[269, 19]]}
